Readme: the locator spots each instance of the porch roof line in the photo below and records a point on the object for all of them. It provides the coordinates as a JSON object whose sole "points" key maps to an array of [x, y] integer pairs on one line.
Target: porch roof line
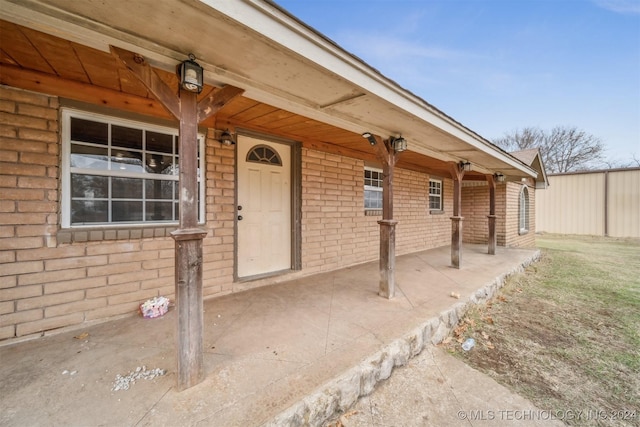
{"points": [[351, 66], [300, 70]]}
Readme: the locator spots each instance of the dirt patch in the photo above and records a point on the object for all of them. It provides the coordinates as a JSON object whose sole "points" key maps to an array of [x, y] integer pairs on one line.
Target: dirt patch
{"points": [[566, 332]]}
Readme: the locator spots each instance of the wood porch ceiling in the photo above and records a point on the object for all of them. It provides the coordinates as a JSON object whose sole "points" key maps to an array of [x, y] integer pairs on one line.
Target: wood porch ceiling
{"points": [[36, 61]]}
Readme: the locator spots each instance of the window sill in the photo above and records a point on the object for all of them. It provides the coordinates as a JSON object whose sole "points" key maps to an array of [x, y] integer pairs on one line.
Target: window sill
{"points": [[523, 232], [100, 234], [436, 212], [373, 212]]}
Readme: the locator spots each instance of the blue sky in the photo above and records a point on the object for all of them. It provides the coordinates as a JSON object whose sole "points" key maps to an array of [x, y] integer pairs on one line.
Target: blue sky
{"points": [[500, 65]]}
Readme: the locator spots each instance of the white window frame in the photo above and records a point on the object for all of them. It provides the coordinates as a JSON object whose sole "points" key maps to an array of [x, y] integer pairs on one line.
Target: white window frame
{"points": [[66, 170], [524, 207], [439, 196], [373, 188]]}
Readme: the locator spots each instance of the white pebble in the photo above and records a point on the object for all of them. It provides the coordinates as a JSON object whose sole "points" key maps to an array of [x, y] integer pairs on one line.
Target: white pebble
{"points": [[123, 383]]}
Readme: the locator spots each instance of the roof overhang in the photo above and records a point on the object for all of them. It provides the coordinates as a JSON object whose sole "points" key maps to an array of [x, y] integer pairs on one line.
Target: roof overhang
{"points": [[532, 157], [275, 58]]}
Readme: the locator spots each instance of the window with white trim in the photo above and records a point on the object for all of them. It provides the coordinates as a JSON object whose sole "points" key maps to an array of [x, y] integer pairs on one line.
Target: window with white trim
{"points": [[372, 188], [435, 194], [523, 211], [117, 172]]}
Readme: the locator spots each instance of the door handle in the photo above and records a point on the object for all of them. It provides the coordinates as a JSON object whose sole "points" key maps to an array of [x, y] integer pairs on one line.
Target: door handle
{"points": [[239, 207], [239, 217]]}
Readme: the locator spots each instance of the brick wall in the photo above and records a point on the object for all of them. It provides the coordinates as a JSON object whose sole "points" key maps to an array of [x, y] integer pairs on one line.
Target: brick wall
{"points": [[418, 229], [50, 279], [218, 246], [475, 208], [335, 230], [508, 231], [29, 213]]}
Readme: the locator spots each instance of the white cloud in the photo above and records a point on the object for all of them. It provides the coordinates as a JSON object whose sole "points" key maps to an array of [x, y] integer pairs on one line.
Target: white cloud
{"points": [[620, 6]]}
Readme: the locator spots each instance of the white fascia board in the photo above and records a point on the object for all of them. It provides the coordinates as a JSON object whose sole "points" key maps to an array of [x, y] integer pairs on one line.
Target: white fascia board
{"points": [[289, 32]]}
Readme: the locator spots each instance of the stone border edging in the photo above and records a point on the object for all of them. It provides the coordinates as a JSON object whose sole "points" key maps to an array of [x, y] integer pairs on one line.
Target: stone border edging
{"points": [[338, 395]]}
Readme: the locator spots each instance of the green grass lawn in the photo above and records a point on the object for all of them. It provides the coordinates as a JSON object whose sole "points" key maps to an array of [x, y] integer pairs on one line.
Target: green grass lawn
{"points": [[566, 332]]}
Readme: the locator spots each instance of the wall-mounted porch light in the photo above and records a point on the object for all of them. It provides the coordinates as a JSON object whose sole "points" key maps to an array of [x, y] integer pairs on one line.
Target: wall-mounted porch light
{"points": [[399, 144], [226, 138], [369, 137], [498, 177], [464, 166], [191, 75]]}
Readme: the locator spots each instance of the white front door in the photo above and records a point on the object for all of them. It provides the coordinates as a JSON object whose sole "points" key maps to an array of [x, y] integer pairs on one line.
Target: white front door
{"points": [[264, 206]]}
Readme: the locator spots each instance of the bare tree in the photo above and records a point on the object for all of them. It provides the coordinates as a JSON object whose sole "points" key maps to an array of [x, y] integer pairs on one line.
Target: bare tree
{"points": [[563, 149], [632, 162], [635, 161], [521, 139]]}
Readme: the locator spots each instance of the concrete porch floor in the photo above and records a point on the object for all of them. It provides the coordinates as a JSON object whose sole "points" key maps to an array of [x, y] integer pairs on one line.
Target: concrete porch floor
{"points": [[277, 355]]}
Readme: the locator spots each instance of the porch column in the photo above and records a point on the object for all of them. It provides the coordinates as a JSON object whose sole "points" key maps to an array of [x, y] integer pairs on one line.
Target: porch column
{"points": [[188, 237], [188, 254], [457, 172], [388, 157], [387, 236], [492, 215]]}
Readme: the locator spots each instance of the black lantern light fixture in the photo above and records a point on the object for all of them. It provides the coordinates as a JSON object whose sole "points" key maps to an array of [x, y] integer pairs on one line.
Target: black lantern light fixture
{"points": [[464, 166], [399, 144], [226, 138], [498, 177], [191, 75]]}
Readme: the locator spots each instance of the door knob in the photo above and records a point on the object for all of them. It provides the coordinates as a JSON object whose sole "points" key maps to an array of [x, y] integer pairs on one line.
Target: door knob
{"points": [[239, 217], [239, 208]]}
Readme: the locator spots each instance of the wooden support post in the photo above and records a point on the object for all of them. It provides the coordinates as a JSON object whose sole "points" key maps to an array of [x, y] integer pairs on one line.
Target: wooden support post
{"points": [[188, 237], [388, 157], [188, 242], [492, 215], [456, 220]]}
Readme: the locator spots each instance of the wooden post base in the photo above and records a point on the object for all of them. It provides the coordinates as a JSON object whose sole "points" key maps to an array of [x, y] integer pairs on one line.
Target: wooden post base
{"points": [[188, 267], [387, 258], [492, 234], [456, 241]]}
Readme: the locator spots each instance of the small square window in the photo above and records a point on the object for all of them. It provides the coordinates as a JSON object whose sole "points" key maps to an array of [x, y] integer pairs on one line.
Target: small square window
{"points": [[435, 194], [372, 189]]}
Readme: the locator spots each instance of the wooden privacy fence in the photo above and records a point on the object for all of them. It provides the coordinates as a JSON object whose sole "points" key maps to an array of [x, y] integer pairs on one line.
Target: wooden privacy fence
{"points": [[601, 203]]}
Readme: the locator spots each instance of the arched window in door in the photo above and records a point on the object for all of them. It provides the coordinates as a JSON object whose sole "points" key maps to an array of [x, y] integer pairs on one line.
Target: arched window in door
{"points": [[264, 154], [523, 211]]}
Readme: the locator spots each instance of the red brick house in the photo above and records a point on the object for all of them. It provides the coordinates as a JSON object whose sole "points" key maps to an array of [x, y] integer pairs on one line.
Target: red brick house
{"points": [[89, 159]]}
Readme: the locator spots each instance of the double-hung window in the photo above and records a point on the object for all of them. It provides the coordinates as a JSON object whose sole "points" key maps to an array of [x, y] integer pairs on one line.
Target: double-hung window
{"points": [[372, 189], [435, 194], [117, 172]]}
